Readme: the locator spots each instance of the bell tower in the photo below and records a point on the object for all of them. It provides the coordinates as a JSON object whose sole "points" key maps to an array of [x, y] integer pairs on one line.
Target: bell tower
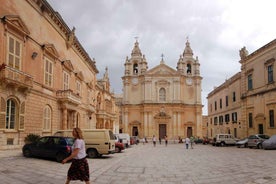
{"points": [[135, 66]]}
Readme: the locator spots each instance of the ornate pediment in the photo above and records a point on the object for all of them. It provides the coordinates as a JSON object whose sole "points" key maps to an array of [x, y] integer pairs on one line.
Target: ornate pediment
{"points": [[15, 23], [67, 64], [161, 69], [90, 84], [162, 83], [79, 75], [162, 114], [50, 50]]}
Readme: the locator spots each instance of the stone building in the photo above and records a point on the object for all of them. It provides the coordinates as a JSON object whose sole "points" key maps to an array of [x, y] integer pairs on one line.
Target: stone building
{"points": [[106, 110], [224, 108], [47, 79], [246, 103], [162, 101]]}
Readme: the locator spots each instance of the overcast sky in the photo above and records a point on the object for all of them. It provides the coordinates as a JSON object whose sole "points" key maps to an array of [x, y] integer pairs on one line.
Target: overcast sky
{"points": [[216, 29]]}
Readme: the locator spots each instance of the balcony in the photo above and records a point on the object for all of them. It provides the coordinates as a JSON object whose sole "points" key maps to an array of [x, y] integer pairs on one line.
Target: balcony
{"points": [[11, 77], [90, 108], [67, 96]]}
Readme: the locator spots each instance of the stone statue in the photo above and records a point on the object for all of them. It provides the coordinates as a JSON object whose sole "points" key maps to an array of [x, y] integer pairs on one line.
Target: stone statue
{"points": [[243, 53]]}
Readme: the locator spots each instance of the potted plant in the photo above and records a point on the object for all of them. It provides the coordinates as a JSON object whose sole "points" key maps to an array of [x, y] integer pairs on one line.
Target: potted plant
{"points": [[31, 138]]}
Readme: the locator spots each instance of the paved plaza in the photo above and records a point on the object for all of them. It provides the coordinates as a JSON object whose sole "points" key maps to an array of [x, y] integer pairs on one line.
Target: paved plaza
{"points": [[145, 164]]}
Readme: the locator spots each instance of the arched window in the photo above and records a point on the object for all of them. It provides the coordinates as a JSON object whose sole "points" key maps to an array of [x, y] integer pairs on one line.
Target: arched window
{"points": [[47, 118], [189, 68], [135, 68], [11, 114], [162, 94]]}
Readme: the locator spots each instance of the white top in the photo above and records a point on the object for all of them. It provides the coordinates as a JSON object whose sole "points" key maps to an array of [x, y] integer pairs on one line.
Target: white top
{"points": [[79, 143], [187, 140]]}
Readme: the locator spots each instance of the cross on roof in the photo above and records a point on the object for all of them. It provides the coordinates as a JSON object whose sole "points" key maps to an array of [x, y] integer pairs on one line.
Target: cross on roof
{"points": [[162, 56]]}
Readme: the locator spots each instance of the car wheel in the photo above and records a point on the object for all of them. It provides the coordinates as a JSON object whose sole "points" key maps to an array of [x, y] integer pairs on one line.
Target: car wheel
{"points": [[260, 146], [60, 157], [245, 145], [92, 153], [27, 153], [222, 144], [117, 149]]}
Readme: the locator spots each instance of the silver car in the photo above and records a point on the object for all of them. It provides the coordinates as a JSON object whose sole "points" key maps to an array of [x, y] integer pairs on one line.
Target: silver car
{"points": [[243, 143], [270, 143], [255, 141]]}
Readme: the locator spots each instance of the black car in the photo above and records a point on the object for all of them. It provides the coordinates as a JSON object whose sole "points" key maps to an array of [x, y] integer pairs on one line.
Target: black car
{"points": [[49, 147]]}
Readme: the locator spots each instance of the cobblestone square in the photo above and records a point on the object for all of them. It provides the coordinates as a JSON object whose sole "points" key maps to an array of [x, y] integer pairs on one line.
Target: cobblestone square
{"points": [[145, 164]]}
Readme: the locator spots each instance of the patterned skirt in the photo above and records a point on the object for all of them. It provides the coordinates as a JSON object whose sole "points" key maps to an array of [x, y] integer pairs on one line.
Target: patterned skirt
{"points": [[79, 170]]}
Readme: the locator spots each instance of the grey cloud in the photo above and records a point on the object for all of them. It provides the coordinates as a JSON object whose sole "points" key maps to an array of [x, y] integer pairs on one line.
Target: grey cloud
{"points": [[107, 29]]}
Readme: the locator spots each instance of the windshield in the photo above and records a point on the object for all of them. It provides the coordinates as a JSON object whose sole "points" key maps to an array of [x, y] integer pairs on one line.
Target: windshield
{"points": [[264, 136], [70, 140], [111, 135]]}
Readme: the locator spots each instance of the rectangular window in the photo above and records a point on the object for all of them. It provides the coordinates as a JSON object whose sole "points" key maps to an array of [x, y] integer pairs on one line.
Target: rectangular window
{"points": [[215, 105], [78, 88], [234, 96], [270, 73], [249, 82], [65, 81], [48, 72], [220, 103], [227, 118], [14, 52], [271, 118], [234, 117], [220, 120], [226, 101], [215, 120], [250, 120]]}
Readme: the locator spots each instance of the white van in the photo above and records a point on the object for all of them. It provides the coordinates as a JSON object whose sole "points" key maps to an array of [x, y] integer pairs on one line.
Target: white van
{"points": [[98, 142], [224, 139], [124, 138]]}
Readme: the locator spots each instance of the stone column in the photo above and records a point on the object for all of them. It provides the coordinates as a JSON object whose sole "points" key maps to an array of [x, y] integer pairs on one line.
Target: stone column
{"points": [[64, 119], [145, 124]]}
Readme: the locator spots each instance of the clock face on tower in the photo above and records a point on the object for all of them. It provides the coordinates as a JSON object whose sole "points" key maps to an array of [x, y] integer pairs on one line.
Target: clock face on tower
{"points": [[134, 81], [189, 81]]}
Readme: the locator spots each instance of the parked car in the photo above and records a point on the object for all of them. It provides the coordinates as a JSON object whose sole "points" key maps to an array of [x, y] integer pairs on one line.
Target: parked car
{"points": [[119, 147], [124, 138], [205, 140], [134, 140], [224, 139], [257, 140], [243, 143], [198, 140], [98, 142], [270, 143], [49, 147]]}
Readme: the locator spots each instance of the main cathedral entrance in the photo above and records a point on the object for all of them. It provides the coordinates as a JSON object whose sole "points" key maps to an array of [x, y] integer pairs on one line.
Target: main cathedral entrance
{"points": [[162, 130]]}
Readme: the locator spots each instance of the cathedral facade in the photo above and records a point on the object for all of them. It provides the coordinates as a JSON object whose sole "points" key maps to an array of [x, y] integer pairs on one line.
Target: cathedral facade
{"points": [[162, 101]]}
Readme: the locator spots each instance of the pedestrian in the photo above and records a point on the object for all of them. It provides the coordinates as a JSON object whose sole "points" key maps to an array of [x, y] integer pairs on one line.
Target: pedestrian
{"points": [[166, 140], [154, 140], [192, 140], [79, 169], [160, 140], [187, 142]]}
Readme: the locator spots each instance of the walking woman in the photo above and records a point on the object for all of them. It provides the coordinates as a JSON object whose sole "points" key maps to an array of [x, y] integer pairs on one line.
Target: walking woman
{"points": [[79, 169]]}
